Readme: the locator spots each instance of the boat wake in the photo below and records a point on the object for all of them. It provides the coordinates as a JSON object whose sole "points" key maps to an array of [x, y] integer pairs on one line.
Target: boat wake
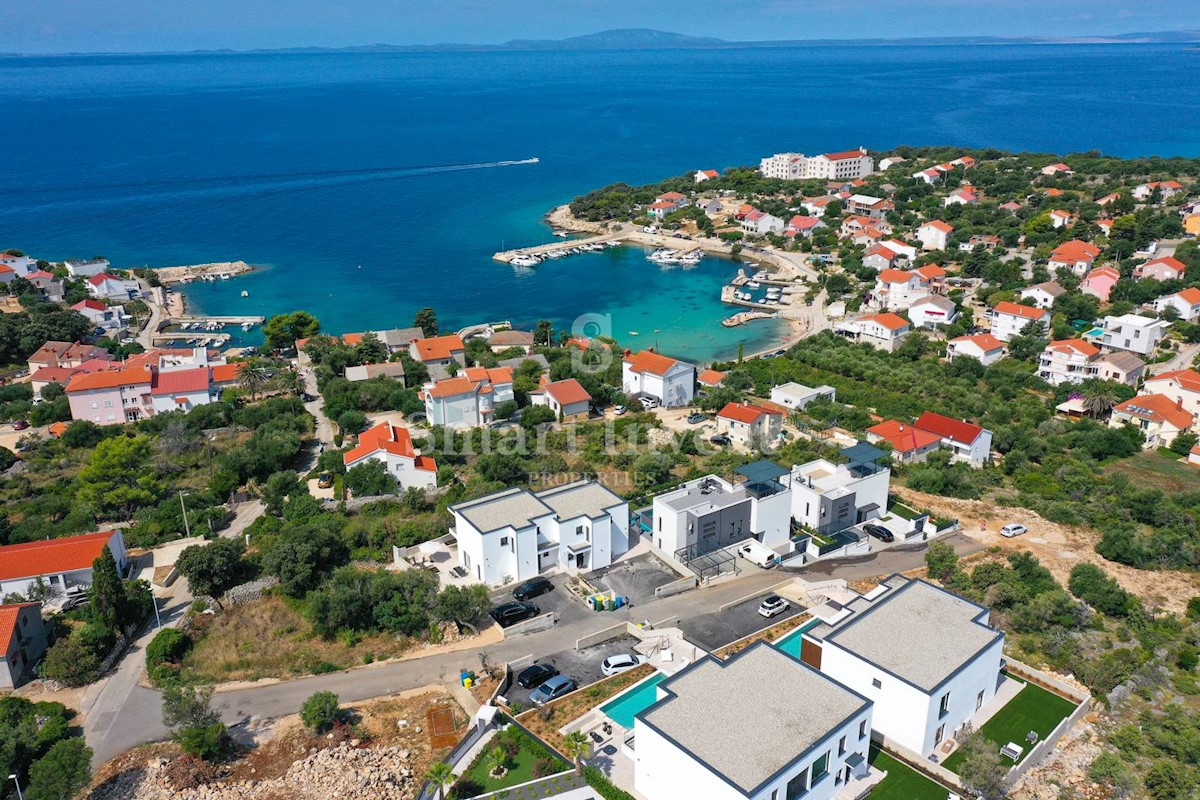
{"points": [[243, 187]]}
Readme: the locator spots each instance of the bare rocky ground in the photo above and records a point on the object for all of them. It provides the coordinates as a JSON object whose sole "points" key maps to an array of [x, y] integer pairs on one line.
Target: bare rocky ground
{"points": [[382, 755]]}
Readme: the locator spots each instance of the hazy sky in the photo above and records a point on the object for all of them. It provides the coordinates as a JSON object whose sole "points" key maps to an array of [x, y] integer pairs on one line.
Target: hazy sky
{"points": [[48, 26]]}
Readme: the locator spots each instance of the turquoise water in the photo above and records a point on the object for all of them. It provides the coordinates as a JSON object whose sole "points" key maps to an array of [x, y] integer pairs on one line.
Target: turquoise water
{"points": [[623, 710], [791, 642], [369, 185]]}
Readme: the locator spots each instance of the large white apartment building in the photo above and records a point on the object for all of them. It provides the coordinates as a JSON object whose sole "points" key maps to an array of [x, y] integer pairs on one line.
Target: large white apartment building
{"points": [[926, 658], [847, 165], [797, 734], [1132, 332], [516, 534]]}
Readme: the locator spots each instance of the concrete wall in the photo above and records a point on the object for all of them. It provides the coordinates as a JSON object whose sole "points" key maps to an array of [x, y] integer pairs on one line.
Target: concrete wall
{"points": [[535, 625], [676, 587]]}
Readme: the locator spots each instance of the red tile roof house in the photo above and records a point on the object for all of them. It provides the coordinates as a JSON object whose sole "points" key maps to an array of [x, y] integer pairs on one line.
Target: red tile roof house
{"points": [[983, 347], [1160, 269], [967, 442], [650, 374], [909, 445], [64, 354], [1099, 282], [935, 234], [112, 397], [439, 350], [22, 641], [1009, 319], [393, 446], [469, 399], [567, 399], [1075, 255], [65, 564], [1158, 417], [882, 331], [710, 379], [1186, 304], [749, 424]]}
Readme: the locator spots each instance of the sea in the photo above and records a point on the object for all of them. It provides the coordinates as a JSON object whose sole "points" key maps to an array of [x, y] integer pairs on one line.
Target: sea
{"points": [[367, 186]]}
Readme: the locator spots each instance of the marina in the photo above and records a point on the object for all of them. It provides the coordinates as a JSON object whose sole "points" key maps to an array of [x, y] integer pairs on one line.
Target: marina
{"points": [[221, 270]]}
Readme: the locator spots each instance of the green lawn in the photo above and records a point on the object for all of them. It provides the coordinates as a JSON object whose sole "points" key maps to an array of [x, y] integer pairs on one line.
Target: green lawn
{"points": [[1156, 469], [902, 781], [1033, 709], [519, 771]]}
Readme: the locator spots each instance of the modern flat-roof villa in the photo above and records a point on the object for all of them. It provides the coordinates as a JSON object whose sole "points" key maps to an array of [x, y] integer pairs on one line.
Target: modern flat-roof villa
{"points": [[928, 659], [808, 738], [830, 497], [516, 534], [710, 513]]}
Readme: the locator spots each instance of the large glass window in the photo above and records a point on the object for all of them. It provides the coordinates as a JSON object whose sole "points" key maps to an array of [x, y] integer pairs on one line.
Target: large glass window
{"points": [[798, 786], [820, 768]]}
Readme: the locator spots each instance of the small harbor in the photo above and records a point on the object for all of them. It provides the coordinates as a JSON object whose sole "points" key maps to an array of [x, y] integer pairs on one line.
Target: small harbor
{"points": [[221, 270]]}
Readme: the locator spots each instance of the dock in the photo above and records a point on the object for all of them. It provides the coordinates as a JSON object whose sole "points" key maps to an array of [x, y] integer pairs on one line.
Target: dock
{"points": [[194, 272], [480, 328], [209, 337], [242, 320], [506, 256]]}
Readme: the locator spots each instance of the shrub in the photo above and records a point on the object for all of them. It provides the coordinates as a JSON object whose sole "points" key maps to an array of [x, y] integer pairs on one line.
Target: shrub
{"points": [[603, 786], [203, 741], [71, 662], [62, 772], [320, 711], [164, 653], [1092, 585]]}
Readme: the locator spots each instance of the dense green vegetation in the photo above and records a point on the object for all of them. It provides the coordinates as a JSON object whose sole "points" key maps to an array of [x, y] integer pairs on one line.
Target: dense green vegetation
{"points": [[37, 745]]}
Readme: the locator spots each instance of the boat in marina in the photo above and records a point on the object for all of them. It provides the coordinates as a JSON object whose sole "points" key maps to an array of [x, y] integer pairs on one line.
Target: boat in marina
{"points": [[526, 260], [753, 285]]}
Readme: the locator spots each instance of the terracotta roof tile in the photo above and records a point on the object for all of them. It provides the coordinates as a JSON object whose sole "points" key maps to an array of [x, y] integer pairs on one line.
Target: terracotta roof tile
{"points": [[51, 556]]}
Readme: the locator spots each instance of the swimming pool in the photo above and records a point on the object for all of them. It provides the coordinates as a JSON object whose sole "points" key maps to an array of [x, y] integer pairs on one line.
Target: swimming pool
{"points": [[625, 707], [791, 643]]}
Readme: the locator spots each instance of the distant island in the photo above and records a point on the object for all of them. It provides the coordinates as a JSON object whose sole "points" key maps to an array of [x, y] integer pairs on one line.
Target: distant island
{"points": [[650, 39]]}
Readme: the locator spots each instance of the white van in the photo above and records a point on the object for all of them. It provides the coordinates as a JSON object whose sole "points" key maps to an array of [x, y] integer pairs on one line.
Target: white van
{"points": [[757, 553]]}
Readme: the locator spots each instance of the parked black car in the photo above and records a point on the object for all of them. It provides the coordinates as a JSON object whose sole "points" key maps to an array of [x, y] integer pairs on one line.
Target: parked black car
{"points": [[720, 439], [879, 532], [532, 588], [512, 613], [536, 675]]}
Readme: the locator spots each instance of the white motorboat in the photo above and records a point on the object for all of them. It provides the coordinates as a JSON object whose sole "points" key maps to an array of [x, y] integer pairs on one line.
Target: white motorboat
{"points": [[561, 234], [526, 260], [245, 293], [753, 284]]}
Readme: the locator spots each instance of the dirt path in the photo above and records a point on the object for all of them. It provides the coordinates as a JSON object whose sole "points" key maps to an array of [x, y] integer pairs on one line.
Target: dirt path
{"points": [[1059, 547]]}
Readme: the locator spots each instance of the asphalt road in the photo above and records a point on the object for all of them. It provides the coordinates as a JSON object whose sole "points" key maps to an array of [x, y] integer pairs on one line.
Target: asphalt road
{"points": [[136, 710]]}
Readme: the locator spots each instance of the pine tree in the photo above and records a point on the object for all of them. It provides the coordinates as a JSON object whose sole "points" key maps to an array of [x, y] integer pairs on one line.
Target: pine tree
{"points": [[108, 606]]}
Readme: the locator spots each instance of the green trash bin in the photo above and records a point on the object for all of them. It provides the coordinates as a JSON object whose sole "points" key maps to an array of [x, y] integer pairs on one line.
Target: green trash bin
{"points": [[612, 604]]}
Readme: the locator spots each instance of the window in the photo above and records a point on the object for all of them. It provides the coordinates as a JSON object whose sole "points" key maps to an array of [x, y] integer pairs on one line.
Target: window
{"points": [[876, 683], [797, 786], [842, 746], [979, 700], [941, 731], [820, 768], [504, 541], [578, 530], [944, 705], [862, 729]]}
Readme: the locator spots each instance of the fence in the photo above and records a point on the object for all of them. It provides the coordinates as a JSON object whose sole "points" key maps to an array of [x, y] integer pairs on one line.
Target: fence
{"points": [[913, 760], [1043, 748], [431, 792]]}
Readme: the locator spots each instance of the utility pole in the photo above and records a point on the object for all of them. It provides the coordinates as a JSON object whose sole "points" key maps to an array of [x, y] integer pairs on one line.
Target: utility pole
{"points": [[186, 528]]}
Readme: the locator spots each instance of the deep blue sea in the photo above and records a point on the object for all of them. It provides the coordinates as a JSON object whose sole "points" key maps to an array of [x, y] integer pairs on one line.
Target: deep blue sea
{"points": [[274, 159]]}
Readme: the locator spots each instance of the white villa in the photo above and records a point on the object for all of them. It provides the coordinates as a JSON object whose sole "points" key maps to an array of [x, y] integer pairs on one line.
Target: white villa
{"points": [[469, 399], [669, 381], [1186, 304], [710, 513], [702, 738], [983, 347], [926, 658], [833, 497], [1009, 319], [1132, 332], [393, 447], [516, 534], [797, 396]]}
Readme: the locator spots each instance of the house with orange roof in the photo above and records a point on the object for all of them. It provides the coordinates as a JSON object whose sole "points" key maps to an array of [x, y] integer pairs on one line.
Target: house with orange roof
{"points": [[927, 176], [661, 208], [392, 446], [1057, 169], [966, 441], [702, 175], [961, 197], [878, 257], [22, 641], [1186, 304], [20, 266], [146, 384], [983, 347], [1191, 224], [676, 199], [803, 226], [934, 235], [439, 350], [865, 205], [842, 166], [882, 331], [1060, 218], [1166, 190], [909, 445], [749, 424], [649, 374], [816, 206], [110, 287], [64, 565], [1167, 268], [1194, 456], [469, 399], [966, 162], [1009, 319], [1068, 361], [710, 379], [1180, 385], [106, 317], [1157, 416], [1099, 282], [1075, 255], [566, 398], [1105, 226], [64, 354], [112, 397]]}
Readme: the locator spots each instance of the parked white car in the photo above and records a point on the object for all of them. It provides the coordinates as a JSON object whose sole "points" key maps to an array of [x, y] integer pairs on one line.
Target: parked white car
{"points": [[1013, 529], [622, 662], [772, 606]]}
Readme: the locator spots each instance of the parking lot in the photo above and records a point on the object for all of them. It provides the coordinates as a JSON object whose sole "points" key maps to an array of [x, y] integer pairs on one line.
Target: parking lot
{"points": [[714, 631], [636, 578], [582, 666], [557, 601]]}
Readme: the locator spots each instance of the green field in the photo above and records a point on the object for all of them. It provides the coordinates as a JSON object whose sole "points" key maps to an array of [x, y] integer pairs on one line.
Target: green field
{"points": [[1156, 469], [902, 781], [1033, 709]]}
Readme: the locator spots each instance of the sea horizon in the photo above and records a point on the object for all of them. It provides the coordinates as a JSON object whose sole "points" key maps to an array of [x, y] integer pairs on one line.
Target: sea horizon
{"points": [[343, 173]]}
